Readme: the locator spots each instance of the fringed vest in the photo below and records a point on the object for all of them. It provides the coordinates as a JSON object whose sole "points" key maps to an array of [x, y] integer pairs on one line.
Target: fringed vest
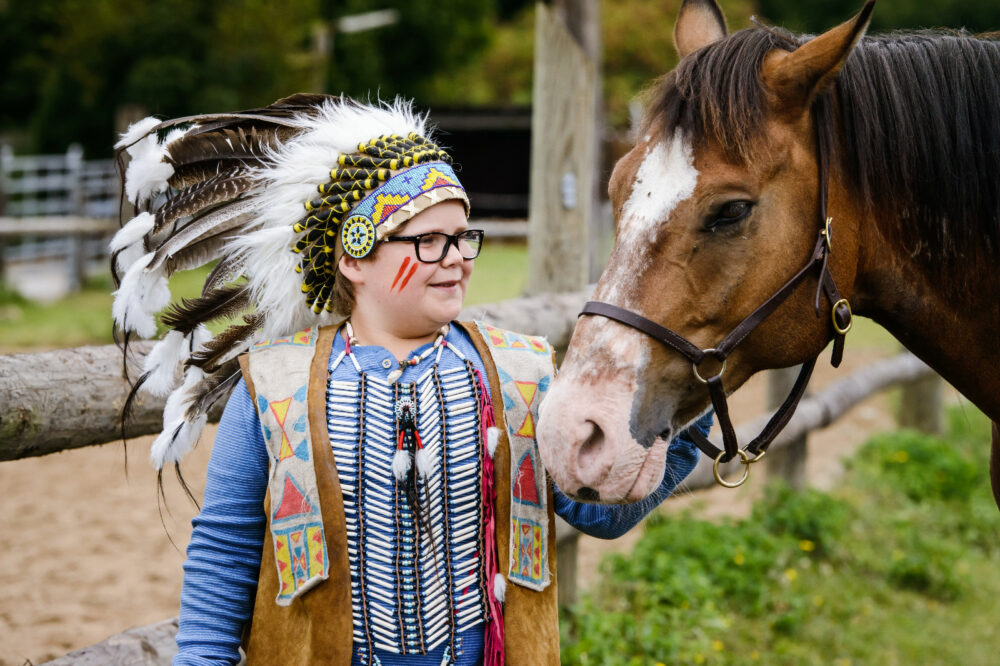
{"points": [[306, 606]]}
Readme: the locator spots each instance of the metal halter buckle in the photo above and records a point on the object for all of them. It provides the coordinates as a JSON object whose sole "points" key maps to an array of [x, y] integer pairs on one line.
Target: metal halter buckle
{"points": [[850, 317], [694, 366], [744, 460], [827, 233]]}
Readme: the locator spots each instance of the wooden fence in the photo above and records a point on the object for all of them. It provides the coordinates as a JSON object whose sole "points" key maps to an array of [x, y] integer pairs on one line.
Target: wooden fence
{"points": [[56, 207], [39, 419]]}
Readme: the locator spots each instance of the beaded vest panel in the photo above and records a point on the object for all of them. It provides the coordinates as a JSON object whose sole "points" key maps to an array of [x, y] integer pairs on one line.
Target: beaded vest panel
{"points": [[413, 569]]}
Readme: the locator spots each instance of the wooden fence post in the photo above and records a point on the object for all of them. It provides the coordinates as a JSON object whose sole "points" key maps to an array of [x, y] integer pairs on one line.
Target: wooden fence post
{"points": [[583, 19], [789, 462], [920, 405], [76, 265], [567, 557], [6, 153], [563, 146]]}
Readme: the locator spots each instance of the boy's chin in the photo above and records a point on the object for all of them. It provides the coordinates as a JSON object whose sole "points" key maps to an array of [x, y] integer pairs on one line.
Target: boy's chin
{"points": [[446, 313]]}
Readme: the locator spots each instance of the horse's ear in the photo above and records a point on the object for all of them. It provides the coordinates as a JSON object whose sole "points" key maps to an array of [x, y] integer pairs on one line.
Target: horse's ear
{"points": [[797, 77], [699, 23]]}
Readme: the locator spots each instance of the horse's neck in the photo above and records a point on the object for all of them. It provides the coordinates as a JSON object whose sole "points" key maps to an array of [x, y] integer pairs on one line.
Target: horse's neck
{"points": [[958, 338]]}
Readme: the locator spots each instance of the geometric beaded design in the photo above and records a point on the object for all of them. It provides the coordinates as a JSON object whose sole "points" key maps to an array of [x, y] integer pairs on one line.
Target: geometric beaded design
{"points": [[411, 592], [524, 368]]}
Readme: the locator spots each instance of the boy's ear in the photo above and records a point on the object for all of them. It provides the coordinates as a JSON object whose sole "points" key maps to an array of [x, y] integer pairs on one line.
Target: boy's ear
{"points": [[350, 268]]}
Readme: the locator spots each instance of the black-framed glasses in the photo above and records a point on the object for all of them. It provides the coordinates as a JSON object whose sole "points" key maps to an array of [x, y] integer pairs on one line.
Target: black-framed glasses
{"points": [[432, 247]]}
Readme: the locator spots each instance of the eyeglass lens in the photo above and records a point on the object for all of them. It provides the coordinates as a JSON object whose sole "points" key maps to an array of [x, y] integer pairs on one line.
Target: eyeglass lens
{"points": [[433, 247]]}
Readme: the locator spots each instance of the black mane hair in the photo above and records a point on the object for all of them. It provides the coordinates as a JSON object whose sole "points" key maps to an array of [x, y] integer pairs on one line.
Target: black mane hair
{"points": [[918, 118]]}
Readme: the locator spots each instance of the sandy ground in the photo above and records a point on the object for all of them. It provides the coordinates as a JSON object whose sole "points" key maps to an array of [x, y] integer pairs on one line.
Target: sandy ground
{"points": [[85, 554]]}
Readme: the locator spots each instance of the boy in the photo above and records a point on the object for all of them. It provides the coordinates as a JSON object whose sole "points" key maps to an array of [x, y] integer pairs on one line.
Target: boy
{"points": [[375, 495]]}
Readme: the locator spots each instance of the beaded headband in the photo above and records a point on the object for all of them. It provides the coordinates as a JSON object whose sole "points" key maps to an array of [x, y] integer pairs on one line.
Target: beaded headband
{"points": [[371, 194]]}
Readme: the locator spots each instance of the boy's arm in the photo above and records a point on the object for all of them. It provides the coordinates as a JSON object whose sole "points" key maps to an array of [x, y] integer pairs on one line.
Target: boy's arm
{"points": [[223, 558], [610, 521]]}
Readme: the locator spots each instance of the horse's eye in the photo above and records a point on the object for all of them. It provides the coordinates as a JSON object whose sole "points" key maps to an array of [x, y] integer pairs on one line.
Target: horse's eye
{"points": [[730, 213]]}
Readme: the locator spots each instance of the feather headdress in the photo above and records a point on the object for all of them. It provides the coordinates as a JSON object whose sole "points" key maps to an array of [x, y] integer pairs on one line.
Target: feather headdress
{"points": [[275, 195]]}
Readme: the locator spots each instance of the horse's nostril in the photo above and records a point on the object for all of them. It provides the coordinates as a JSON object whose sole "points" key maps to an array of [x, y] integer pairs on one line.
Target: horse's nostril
{"points": [[588, 494], [594, 458], [592, 443]]}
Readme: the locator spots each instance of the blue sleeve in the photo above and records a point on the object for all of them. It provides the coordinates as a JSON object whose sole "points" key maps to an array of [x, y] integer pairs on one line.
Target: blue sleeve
{"points": [[610, 521], [223, 558]]}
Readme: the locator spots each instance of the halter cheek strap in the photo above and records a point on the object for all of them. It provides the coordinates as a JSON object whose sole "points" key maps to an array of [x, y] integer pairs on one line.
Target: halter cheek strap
{"points": [[841, 319]]}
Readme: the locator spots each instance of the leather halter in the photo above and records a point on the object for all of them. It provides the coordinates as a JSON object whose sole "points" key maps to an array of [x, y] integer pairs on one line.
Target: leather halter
{"points": [[841, 317]]}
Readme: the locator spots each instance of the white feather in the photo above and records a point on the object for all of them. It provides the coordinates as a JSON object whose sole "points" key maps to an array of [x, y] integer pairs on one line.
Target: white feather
{"points": [[175, 442], [134, 231], [179, 434], [492, 439], [140, 295], [425, 464], [136, 131], [163, 362], [175, 134], [400, 464], [147, 173], [499, 586], [127, 257], [199, 337]]}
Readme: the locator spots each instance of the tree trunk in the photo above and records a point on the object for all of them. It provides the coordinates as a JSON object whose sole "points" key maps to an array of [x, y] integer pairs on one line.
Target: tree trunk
{"points": [[563, 149]]}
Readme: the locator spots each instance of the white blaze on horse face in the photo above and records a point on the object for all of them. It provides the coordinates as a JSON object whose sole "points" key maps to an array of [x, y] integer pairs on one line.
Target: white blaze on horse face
{"points": [[586, 420], [665, 178]]}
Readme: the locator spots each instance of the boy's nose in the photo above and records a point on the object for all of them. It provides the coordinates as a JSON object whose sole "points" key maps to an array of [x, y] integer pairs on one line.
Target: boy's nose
{"points": [[452, 256]]}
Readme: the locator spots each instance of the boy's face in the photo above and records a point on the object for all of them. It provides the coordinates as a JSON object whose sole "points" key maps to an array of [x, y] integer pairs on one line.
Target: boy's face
{"points": [[408, 295]]}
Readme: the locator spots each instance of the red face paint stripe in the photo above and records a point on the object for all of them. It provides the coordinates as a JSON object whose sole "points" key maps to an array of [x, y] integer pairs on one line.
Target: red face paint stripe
{"points": [[399, 273], [409, 275]]}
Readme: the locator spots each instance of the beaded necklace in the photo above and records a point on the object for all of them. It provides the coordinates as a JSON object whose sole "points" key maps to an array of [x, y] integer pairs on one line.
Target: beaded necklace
{"points": [[409, 445]]}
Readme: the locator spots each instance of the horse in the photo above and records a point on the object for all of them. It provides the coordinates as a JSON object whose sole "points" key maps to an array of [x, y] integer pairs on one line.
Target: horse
{"points": [[780, 185]]}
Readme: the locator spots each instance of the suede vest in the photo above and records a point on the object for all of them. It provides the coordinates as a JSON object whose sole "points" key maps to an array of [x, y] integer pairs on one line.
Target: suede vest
{"points": [[316, 628]]}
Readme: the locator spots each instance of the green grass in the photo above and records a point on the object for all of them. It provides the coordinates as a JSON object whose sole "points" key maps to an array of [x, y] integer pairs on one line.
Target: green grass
{"points": [[898, 566], [84, 318]]}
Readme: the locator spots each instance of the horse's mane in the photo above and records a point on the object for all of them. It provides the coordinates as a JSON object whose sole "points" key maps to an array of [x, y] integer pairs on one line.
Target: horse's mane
{"points": [[918, 115]]}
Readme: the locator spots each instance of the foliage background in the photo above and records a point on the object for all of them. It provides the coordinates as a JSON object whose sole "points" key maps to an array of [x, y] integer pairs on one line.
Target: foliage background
{"points": [[67, 66]]}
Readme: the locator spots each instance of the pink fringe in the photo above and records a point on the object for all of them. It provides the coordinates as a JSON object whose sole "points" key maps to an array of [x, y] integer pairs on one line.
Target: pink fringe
{"points": [[494, 648]]}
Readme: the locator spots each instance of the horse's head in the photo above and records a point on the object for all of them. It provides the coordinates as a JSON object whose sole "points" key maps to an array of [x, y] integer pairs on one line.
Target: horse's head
{"points": [[716, 208]]}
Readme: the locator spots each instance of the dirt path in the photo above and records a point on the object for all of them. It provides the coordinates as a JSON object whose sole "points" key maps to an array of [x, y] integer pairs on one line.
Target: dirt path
{"points": [[85, 556]]}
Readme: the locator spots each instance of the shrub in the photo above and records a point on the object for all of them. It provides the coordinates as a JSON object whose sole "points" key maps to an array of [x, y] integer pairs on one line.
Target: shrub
{"points": [[813, 518], [920, 466]]}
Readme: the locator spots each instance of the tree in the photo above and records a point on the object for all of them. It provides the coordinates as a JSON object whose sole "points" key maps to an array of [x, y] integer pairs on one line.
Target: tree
{"points": [[819, 15], [67, 65]]}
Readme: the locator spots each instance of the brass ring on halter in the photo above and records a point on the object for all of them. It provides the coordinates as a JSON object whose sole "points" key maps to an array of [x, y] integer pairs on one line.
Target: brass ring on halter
{"points": [[828, 234], [758, 457], [850, 317], [694, 367], [744, 460]]}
